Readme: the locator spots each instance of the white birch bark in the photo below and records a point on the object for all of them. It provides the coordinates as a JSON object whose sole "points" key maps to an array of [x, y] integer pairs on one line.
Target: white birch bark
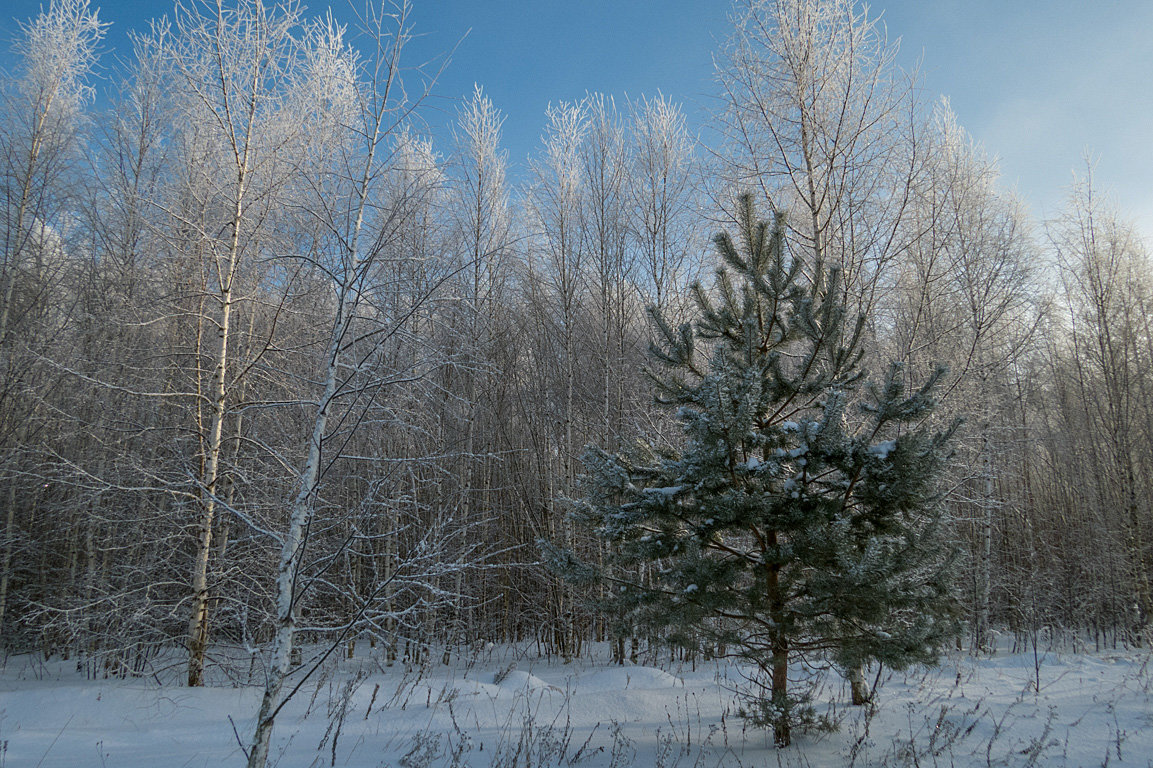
{"points": [[229, 69], [218, 394], [302, 510], [354, 265]]}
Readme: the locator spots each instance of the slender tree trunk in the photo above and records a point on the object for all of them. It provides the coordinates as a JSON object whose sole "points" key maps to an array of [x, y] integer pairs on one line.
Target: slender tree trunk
{"points": [[859, 687], [303, 506], [986, 566], [782, 735], [13, 250], [1135, 543], [198, 623], [302, 510], [6, 558]]}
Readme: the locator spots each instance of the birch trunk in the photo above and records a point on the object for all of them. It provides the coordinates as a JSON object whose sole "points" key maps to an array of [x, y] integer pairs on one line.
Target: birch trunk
{"points": [[986, 567], [303, 506], [198, 623], [302, 510]]}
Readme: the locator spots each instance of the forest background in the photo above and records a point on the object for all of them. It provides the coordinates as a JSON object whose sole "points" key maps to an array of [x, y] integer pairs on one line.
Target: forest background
{"points": [[250, 306]]}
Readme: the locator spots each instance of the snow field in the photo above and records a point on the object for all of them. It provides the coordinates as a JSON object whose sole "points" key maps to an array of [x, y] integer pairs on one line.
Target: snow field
{"points": [[514, 710]]}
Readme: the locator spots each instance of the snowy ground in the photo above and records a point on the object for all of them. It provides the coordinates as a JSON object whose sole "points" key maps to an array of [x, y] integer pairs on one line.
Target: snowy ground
{"points": [[1091, 710]]}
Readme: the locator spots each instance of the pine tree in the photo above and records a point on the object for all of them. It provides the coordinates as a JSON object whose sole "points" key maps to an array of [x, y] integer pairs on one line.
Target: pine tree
{"points": [[798, 517]]}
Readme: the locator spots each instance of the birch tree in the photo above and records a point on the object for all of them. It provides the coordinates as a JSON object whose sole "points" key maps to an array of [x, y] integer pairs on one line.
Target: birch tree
{"points": [[604, 169], [664, 212], [228, 70], [557, 269], [1105, 272], [368, 202], [482, 223], [40, 134], [819, 121], [966, 294]]}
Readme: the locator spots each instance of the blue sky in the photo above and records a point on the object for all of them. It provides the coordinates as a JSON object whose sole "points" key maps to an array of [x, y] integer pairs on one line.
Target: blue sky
{"points": [[1038, 82], [1042, 82]]}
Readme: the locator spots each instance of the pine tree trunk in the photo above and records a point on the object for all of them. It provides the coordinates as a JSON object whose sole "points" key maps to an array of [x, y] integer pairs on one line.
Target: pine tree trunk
{"points": [[781, 714], [859, 687], [780, 650]]}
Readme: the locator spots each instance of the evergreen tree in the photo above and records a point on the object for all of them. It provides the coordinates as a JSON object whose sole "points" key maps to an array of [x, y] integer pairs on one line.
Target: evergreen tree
{"points": [[798, 518]]}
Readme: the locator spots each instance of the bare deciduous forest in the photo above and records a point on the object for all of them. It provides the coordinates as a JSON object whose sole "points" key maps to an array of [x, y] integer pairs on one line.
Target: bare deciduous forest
{"points": [[278, 367]]}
